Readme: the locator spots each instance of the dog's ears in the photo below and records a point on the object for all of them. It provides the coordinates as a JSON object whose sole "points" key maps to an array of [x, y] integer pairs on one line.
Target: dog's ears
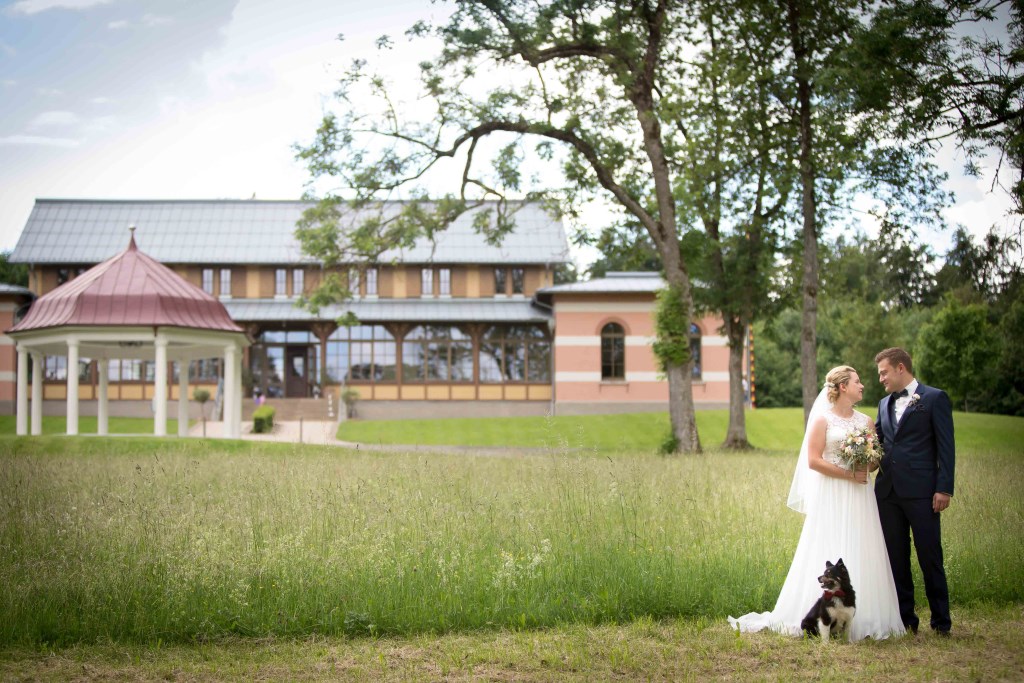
{"points": [[840, 563], [828, 564]]}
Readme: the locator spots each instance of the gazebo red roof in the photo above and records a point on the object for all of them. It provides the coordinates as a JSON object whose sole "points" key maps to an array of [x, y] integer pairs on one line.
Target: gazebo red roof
{"points": [[130, 289]]}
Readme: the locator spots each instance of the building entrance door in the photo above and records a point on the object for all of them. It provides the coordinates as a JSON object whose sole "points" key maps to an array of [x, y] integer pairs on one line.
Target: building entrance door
{"points": [[296, 372]]}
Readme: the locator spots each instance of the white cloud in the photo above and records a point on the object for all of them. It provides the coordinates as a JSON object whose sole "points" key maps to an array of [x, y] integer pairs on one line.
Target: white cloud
{"points": [[148, 20], [101, 100], [49, 92], [156, 20], [7, 49], [9, 83], [38, 140], [49, 119], [36, 6]]}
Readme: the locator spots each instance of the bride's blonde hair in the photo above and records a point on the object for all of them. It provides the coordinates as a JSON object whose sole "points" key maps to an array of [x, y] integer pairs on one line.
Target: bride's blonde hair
{"points": [[835, 378]]}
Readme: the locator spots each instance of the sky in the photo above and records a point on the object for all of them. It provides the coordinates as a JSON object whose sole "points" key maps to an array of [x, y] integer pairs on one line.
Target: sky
{"points": [[169, 99]]}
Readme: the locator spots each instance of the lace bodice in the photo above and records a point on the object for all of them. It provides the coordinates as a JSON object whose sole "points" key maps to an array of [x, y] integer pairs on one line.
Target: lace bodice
{"points": [[836, 430]]}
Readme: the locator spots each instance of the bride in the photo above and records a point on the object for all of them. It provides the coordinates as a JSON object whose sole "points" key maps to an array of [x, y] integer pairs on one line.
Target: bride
{"points": [[842, 522]]}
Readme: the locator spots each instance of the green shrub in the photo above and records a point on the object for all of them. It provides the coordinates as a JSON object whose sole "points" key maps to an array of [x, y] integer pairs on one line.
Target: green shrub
{"points": [[263, 419]]}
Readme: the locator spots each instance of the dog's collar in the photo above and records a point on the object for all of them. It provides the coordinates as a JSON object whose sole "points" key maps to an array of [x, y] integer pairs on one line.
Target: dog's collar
{"points": [[837, 593]]}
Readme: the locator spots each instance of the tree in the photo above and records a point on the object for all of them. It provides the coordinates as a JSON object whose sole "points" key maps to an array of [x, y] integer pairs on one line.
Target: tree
{"points": [[945, 71], [846, 146], [733, 175], [556, 61], [958, 350], [12, 273]]}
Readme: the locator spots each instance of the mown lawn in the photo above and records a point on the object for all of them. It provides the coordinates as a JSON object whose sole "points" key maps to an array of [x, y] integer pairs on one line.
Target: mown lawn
{"points": [[985, 647], [87, 425], [767, 429]]}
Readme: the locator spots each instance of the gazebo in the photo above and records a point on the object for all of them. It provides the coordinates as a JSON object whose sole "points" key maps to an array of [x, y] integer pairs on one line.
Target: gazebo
{"points": [[128, 307]]}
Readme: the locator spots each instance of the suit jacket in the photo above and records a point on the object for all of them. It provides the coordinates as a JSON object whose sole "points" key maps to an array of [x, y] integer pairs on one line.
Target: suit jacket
{"points": [[919, 453]]}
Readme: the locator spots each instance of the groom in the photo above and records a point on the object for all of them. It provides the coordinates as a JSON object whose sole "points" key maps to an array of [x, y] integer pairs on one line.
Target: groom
{"points": [[915, 482]]}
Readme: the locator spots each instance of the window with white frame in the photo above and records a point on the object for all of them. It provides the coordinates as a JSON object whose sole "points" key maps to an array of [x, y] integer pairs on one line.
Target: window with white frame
{"points": [[371, 282], [298, 282], [427, 282], [281, 282], [208, 280], [225, 282], [444, 282], [353, 282], [518, 277]]}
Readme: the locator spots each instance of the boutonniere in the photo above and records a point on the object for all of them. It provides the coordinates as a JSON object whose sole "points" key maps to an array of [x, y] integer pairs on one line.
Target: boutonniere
{"points": [[914, 398]]}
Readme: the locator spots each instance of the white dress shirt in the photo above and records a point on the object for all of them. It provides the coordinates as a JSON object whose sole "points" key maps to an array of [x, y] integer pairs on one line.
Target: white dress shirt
{"points": [[903, 401]]}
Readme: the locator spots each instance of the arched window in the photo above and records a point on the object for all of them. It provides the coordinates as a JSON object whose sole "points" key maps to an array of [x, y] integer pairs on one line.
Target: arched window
{"points": [[695, 351], [613, 352]]}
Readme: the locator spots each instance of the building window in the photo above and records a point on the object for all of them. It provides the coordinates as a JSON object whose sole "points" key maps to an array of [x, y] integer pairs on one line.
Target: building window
{"points": [[361, 353], [445, 282], [437, 353], [518, 275], [63, 275], [427, 282], [225, 282], [208, 280], [516, 353], [205, 370], [371, 282], [131, 370], [281, 282], [613, 352], [55, 368], [695, 351], [353, 282], [298, 282], [500, 279]]}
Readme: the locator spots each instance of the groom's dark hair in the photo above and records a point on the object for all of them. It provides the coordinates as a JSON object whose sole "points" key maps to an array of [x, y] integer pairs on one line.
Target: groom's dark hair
{"points": [[895, 356]]}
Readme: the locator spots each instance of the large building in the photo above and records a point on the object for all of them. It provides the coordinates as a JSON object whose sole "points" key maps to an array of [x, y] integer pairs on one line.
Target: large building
{"points": [[457, 326]]}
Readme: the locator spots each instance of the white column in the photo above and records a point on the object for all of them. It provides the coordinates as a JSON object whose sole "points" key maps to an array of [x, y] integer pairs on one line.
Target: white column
{"points": [[72, 399], [238, 393], [102, 400], [37, 393], [21, 422], [160, 390], [231, 426], [182, 397]]}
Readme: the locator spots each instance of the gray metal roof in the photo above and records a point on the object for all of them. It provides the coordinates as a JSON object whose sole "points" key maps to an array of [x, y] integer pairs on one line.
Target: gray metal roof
{"points": [[16, 289], [251, 231], [510, 310], [617, 283]]}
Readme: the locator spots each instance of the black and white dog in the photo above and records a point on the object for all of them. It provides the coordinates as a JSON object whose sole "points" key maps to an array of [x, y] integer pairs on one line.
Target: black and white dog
{"points": [[834, 610]]}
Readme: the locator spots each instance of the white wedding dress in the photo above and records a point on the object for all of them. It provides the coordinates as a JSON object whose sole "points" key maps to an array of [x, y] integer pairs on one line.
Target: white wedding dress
{"points": [[842, 522]]}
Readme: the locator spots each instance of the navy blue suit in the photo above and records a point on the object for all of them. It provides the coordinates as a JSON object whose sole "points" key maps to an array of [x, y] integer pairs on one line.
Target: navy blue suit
{"points": [[918, 461]]}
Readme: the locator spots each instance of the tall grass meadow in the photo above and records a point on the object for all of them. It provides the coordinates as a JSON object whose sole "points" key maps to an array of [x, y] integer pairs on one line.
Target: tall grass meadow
{"points": [[140, 540]]}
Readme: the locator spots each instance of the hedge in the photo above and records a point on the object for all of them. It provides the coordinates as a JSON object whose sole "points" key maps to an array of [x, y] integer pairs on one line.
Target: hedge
{"points": [[263, 419]]}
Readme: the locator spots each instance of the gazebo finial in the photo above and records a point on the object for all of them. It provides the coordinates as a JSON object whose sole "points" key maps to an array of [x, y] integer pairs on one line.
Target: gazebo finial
{"points": [[131, 242]]}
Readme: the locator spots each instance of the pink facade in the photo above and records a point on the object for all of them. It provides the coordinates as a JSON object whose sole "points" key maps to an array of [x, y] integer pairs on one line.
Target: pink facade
{"points": [[581, 316]]}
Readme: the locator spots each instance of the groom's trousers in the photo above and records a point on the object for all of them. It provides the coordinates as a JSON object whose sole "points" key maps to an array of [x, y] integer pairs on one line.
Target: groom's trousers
{"points": [[900, 516]]}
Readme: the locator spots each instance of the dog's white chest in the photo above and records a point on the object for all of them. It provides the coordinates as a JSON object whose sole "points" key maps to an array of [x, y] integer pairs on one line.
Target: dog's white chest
{"points": [[841, 615]]}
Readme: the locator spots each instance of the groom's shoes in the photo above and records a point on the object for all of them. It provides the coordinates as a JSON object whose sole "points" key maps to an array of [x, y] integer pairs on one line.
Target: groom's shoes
{"points": [[911, 628]]}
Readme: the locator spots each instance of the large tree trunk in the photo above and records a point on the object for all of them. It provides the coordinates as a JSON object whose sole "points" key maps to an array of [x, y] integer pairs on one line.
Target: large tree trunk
{"points": [[680, 377], [809, 283], [736, 434]]}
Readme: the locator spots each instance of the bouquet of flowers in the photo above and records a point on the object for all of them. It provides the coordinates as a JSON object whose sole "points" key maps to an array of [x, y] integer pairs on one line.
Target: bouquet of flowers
{"points": [[860, 448]]}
